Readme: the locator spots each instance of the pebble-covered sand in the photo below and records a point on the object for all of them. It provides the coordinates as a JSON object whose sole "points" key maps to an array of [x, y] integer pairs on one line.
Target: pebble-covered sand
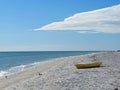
{"points": [[61, 74]]}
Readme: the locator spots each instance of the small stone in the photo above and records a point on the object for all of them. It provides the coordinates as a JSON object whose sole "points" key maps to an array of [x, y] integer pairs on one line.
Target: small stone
{"points": [[5, 76], [40, 74], [116, 89]]}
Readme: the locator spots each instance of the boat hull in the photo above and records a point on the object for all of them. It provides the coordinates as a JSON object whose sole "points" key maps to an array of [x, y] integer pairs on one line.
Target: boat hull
{"points": [[89, 65]]}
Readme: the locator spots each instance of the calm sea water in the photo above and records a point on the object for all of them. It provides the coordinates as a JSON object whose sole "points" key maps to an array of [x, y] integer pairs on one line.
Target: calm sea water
{"points": [[11, 62]]}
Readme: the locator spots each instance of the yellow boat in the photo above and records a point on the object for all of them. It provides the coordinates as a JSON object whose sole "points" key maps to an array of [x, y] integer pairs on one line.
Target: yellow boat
{"points": [[89, 65]]}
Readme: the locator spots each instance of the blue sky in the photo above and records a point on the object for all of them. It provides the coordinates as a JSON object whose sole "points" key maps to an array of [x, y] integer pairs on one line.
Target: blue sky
{"points": [[19, 18]]}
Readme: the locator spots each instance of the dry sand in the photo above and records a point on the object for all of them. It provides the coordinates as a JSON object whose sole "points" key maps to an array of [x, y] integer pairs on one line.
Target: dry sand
{"points": [[61, 74]]}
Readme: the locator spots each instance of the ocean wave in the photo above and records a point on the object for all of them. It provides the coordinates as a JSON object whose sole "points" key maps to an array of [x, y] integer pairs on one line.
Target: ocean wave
{"points": [[17, 69]]}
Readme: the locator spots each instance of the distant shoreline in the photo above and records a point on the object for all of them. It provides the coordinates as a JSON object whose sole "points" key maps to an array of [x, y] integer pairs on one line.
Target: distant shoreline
{"points": [[64, 51]]}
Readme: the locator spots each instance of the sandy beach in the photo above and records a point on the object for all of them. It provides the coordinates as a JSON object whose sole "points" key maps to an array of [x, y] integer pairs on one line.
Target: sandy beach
{"points": [[61, 74]]}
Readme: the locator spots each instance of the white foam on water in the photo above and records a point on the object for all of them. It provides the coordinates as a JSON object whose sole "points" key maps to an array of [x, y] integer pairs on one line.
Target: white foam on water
{"points": [[2, 73], [17, 69]]}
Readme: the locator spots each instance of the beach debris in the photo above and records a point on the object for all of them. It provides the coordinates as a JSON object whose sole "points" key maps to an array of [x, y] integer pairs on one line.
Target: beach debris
{"points": [[5, 76], [88, 65], [116, 89], [118, 50], [40, 74]]}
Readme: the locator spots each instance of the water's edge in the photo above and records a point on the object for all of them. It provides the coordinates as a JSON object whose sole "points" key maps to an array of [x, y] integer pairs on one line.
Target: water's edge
{"points": [[22, 67]]}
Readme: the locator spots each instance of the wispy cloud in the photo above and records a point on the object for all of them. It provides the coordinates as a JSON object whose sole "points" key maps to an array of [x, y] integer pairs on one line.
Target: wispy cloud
{"points": [[106, 20]]}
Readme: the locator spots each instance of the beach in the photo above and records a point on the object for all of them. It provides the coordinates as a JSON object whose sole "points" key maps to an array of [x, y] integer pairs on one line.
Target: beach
{"points": [[61, 74]]}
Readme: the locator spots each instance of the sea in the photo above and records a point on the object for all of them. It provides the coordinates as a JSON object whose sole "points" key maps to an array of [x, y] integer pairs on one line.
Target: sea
{"points": [[14, 62]]}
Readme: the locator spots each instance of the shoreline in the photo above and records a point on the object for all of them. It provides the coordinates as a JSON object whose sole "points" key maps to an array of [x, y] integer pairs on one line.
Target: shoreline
{"points": [[12, 70], [35, 77]]}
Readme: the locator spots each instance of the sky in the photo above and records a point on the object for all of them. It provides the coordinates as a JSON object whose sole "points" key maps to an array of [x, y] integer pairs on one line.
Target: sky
{"points": [[59, 25]]}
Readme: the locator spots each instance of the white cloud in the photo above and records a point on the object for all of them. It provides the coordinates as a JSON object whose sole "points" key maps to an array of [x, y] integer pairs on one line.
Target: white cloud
{"points": [[105, 20], [90, 31]]}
